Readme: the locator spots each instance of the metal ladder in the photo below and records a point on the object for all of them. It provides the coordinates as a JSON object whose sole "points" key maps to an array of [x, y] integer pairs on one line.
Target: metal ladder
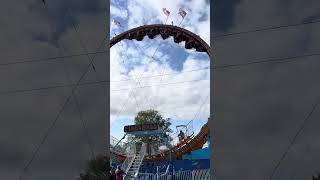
{"points": [[133, 169]]}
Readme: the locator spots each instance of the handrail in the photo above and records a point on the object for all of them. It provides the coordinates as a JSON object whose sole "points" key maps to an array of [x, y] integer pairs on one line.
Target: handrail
{"points": [[130, 158], [129, 162], [186, 146], [167, 170], [164, 174]]}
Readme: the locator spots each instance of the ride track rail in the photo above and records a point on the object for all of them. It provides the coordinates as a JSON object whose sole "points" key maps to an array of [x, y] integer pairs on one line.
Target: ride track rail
{"points": [[192, 41]]}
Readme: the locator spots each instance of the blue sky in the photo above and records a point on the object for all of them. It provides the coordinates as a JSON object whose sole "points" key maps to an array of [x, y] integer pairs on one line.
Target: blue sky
{"points": [[174, 96]]}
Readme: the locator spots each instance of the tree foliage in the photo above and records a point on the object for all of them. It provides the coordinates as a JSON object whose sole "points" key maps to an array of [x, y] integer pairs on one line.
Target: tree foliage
{"points": [[153, 116], [97, 169]]}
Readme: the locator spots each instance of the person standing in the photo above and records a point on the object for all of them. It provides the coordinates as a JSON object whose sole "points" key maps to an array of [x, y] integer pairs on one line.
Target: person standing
{"points": [[181, 135], [119, 173], [112, 174]]}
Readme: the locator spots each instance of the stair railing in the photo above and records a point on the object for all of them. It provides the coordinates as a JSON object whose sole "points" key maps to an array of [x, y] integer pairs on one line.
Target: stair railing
{"points": [[141, 155], [131, 155]]}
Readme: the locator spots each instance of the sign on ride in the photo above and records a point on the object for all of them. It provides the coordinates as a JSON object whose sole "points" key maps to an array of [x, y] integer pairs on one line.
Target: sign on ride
{"points": [[143, 127]]}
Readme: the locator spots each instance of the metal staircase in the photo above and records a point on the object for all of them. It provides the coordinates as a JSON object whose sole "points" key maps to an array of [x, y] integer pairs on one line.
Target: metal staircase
{"points": [[132, 165]]}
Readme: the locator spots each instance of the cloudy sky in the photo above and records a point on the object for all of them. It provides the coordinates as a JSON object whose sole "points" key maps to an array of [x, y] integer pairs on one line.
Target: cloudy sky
{"points": [[177, 79], [30, 31], [259, 108]]}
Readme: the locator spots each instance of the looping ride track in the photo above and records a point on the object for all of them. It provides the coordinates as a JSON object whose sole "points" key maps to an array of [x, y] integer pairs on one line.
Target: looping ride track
{"points": [[192, 41]]}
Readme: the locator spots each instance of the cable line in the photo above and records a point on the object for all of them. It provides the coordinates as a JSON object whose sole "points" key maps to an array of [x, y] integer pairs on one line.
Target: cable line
{"points": [[101, 52], [73, 84], [90, 144], [266, 29], [303, 124], [45, 136], [269, 60], [55, 58], [50, 87], [74, 96], [276, 60], [160, 75], [131, 91], [141, 87], [90, 83]]}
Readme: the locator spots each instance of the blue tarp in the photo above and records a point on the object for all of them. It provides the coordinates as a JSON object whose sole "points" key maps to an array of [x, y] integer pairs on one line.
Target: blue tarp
{"points": [[198, 154]]}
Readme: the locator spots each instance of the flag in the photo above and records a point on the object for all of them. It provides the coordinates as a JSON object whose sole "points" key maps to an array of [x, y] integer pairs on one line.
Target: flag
{"points": [[166, 12], [117, 23], [182, 13]]}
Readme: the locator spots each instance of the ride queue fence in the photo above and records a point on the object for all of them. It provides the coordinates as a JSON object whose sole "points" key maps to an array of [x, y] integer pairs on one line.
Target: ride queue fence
{"points": [[203, 174]]}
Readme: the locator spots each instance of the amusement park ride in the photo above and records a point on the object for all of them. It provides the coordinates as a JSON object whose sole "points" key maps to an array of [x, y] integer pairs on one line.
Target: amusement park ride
{"points": [[188, 144], [132, 159]]}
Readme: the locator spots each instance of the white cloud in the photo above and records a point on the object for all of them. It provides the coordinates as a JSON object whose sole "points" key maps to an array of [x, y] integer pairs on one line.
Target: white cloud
{"points": [[178, 101], [118, 12], [150, 12]]}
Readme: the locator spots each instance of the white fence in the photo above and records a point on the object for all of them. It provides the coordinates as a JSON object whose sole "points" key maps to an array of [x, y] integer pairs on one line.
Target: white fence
{"points": [[203, 174], [147, 176]]}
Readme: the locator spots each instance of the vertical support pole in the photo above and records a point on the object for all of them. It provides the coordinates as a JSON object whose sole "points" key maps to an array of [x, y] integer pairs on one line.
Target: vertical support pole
{"points": [[193, 175], [157, 172], [170, 157]]}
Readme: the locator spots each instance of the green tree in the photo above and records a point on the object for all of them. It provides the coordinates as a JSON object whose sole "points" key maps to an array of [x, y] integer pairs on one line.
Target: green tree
{"points": [[97, 169], [153, 116]]}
